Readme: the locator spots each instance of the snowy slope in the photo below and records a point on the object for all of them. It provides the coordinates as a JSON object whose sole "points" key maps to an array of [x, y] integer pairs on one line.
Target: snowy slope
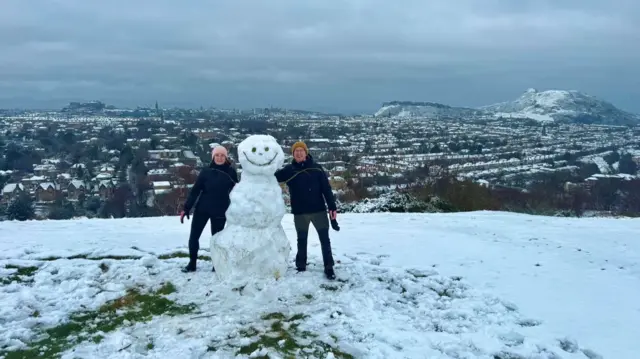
{"points": [[543, 106], [475, 285], [561, 105]]}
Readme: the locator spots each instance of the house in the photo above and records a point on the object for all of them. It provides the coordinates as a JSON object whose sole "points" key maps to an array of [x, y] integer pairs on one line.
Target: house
{"points": [[63, 179], [167, 155], [159, 174], [75, 189], [47, 192], [319, 142], [44, 170], [103, 176], [191, 159], [104, 189], [11, 191], [338, 170], [31, 183], [205, 134], [107, 169], [337, 182], [161, 187]]}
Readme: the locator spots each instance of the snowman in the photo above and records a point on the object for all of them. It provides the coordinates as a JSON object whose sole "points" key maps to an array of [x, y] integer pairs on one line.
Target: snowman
{"points": [[253, 244]]}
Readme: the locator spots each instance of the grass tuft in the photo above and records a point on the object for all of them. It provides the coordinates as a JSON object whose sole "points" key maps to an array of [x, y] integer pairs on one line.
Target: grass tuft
{"points": [[181, 255], [133, 307], [21, 275], [284, 337]]}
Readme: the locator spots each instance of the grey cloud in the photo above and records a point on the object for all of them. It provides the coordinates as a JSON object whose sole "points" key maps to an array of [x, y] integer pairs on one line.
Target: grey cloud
{"points": [[308, 53]]}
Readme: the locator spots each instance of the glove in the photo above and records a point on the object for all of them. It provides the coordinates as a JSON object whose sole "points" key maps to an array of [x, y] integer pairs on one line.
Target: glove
{"points": [[334, 225], [182, 215], [334, 222]]}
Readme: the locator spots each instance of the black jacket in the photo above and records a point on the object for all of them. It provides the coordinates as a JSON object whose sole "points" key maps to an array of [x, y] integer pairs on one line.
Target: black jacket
{"points": [[211, 190], [309, 186]]}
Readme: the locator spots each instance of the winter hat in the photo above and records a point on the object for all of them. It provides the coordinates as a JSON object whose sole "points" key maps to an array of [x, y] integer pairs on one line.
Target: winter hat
{"points": [[299, 144], [219, 150]]}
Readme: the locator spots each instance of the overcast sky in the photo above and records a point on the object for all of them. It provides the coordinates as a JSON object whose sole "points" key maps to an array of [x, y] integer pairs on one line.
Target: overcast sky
{"points": [[334, 55]]}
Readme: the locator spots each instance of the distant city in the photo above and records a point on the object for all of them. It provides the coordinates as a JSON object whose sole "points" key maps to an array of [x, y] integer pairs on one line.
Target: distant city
{"points": [[96, 160]]}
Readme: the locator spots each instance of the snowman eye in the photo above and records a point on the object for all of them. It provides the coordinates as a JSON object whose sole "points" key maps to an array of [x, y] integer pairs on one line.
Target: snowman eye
{"points": [[266, 149], [253, 149]]}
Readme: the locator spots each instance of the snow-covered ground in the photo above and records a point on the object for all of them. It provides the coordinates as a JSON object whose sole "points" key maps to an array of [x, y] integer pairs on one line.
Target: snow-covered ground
{"points": [[465, 285]]}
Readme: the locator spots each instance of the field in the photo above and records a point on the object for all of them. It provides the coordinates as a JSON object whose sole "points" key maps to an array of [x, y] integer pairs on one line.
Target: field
{"points": [[466, 285]]}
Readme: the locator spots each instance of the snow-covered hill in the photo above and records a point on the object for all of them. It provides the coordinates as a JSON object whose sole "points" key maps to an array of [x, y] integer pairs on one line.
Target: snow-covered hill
{"points": [[551, 105], [564, 106], [401, 109], [466, 285]]}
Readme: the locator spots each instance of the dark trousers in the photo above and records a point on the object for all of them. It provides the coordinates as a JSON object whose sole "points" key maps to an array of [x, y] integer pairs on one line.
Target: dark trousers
{"points": [[198, 222], [320, 222]]}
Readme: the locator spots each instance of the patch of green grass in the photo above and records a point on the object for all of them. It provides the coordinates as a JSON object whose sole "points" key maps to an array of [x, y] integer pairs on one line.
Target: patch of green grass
{"points": [[133, 307], [285, 338], [26, 271], [49, 259], [86, 256], [329, 287], [21, 275], [104, 267], [507, 355], [182, 255], [444, 292], [167, 288], [100, 258]]}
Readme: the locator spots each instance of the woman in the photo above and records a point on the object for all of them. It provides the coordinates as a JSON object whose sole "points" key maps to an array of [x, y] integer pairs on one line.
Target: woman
{"points": [[211, 191]]}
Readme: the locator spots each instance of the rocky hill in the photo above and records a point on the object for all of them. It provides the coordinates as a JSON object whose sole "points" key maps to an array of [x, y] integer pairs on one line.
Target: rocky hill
{"points": [[400, 109], [545, 106], [563, 106]]}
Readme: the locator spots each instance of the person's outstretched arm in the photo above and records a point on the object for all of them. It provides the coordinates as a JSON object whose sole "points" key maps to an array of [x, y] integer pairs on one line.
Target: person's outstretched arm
{"points": [[194, 193], [284, 174]]}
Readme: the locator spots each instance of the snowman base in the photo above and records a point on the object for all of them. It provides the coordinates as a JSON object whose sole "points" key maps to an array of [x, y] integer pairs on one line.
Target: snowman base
{"points": [[242, 253]]}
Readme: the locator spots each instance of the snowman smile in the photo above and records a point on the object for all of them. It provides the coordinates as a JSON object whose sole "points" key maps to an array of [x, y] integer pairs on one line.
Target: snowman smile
{"points": [[258, 164]]}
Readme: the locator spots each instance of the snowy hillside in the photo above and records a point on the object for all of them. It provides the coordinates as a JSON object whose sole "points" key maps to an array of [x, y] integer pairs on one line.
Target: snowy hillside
{"points": [[559, 105], [466, 285], [400, 109], [552, 105]]}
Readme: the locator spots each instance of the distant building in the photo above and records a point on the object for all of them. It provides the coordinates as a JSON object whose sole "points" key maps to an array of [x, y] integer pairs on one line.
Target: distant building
{"points": [[11, 191], [75, 189], [165, 154], [191, 159], [47, 192]]}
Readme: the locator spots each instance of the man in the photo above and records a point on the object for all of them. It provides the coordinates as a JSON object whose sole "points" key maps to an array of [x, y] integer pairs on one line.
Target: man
{"points": [[309, 189]]}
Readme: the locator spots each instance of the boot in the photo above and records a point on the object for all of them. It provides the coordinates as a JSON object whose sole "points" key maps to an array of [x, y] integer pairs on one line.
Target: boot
{"points": [[329, 273], [193, 259], [191, 267]]}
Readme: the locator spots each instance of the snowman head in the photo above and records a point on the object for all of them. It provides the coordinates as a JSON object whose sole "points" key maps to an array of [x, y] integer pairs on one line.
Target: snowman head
{"points": [[260, 155]]}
